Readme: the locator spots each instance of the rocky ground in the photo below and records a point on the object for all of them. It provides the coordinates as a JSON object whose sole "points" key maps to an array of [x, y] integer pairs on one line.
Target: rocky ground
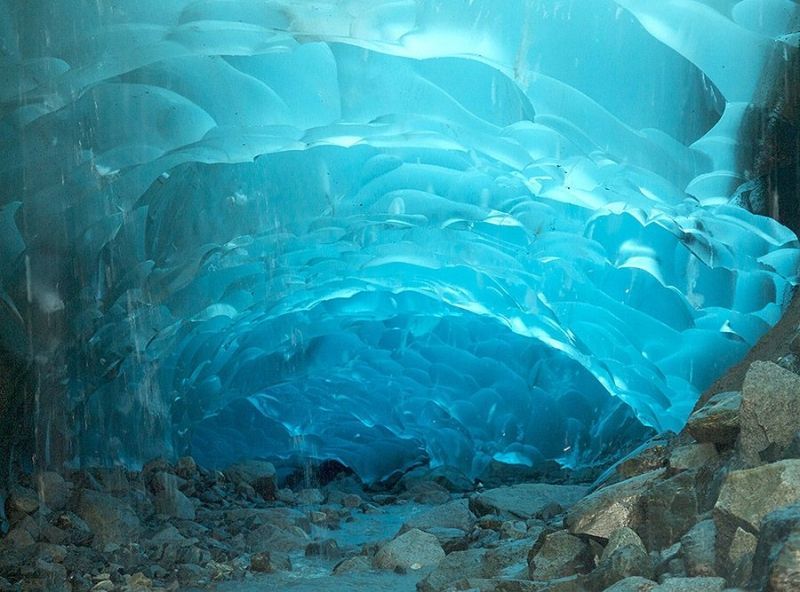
{"points": [[714, 508]]}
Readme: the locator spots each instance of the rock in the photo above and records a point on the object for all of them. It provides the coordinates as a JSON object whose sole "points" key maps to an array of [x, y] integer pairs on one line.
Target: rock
{"points": [[777, 529], [309, 497], [784, 570], [691, 585], [20, 502], [717, 422], [632, 584], [18, 537], [53, 489], [186, 467], [411, 550], [269, 537], [750, 494], [559, 555], [327, 548], [359, 563], [454, 514], [258, 474], [509, 558], [739, 563], [699, 549], [624, 556], [110, 519], [605, 510], [692, 456], [770, 412], [668, 510], [526, 500], [174, 503], [43, 575], [270, 562], [456, 565]]}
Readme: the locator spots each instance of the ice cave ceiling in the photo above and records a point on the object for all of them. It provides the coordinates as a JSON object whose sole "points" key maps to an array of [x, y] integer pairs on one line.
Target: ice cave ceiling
{"points": [[383, 231]]}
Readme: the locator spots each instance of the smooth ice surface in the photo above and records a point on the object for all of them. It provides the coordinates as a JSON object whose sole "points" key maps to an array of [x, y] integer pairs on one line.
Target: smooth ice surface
{"points": [[386, 232]]}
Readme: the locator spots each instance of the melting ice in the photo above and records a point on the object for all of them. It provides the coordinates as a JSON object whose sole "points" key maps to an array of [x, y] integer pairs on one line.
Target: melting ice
{"points": [[385, 232]]}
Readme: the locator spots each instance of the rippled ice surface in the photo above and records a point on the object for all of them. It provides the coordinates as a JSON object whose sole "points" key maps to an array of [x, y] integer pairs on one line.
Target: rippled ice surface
{"points": [[383, 232]]}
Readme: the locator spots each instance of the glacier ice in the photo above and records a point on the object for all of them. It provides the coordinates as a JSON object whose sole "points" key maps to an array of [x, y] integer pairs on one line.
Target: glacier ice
{"points": [[386, 231]]}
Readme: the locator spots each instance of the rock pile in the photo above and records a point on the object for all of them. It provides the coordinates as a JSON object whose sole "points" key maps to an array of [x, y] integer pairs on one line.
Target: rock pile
{"points": [[714, 508]]}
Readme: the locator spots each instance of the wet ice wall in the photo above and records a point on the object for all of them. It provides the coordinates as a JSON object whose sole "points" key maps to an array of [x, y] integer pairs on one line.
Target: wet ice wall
{"points": [[382, 232]]}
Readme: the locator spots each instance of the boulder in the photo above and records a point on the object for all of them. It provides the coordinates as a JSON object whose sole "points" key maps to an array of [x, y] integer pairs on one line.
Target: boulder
{"points": [[53, 489], [20, 502], [175, 504], [258, 474], [559, 555], [717, 422], [411, 550], [111, 519], [750, 494], [633, 584], [692, 456], [691, 585], [770, 412], [777, 529], [624, 556], [270, 562], [456, 565], [739, 562], [526, 500], [605, 510], [668, 510], [453, 514], [359, 563], [699, 549]]}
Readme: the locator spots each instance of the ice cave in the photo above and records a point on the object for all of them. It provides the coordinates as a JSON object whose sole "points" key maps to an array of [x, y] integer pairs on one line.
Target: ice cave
{"points": [[494, 238]]}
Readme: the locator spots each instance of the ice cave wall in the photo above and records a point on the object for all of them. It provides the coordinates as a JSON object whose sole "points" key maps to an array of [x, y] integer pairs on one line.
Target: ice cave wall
{"points": [[385, 232]]}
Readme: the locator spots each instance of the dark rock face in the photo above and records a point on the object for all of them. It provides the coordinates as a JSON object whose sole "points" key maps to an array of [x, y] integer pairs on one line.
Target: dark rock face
{"points": [[717, 421], [770, 412]]}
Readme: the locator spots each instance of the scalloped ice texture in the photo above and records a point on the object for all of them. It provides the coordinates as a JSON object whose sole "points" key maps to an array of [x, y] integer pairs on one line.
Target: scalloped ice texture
{"points": [[385, 232]]}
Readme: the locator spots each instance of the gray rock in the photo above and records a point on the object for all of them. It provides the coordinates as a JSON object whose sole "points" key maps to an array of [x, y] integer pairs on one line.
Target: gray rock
{"points": [[510, 557], [270, 562], [186, 467], [691, 585], [111, 520], [739, 564], [526, 500], [612, 507], [456, 565], [454, 514], [258, 474], [770, 412], [174, 503], [327, 548], [699, 549], [309, 497], [53, 489], [777, 529], [269, 537], [784, 570], [669, 508], [20, 502], [749, 495], [623, 557], [359, 563], [692, 456], [632, 584], [717, 422], [411, 550], [559, 555]]}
